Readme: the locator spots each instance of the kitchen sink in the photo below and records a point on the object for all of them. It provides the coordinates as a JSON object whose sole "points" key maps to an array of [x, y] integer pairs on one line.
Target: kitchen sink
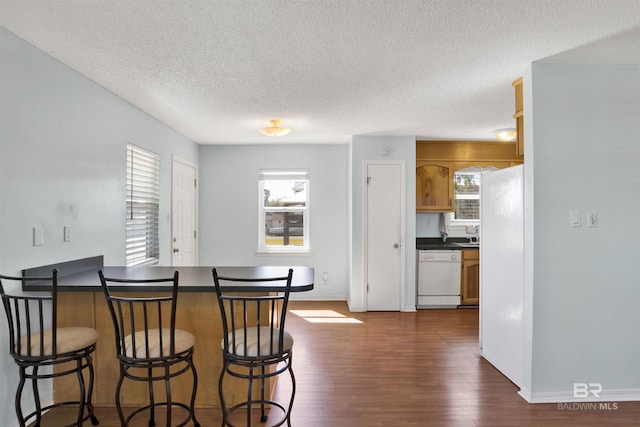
{"points": [[466, 244]]}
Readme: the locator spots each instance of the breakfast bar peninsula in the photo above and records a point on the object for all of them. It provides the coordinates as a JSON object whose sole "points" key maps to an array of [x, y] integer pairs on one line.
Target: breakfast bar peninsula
{"points": [[81, 302]]}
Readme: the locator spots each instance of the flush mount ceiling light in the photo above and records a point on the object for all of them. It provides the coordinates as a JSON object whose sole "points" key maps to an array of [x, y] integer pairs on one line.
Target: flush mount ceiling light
{"points": [[506, 134], [275, 129]]}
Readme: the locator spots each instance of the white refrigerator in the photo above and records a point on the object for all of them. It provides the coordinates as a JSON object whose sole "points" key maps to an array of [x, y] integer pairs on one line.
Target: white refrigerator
{"points": [[501, 270]]}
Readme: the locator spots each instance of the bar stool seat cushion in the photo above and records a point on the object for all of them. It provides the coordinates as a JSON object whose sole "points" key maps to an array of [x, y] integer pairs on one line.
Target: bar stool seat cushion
{"points": [[69, 340], [183, 341], [252, 342]]}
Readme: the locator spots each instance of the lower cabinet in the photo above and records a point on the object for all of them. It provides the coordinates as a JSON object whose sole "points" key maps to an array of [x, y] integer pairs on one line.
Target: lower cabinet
{"points": [[470, 278]]}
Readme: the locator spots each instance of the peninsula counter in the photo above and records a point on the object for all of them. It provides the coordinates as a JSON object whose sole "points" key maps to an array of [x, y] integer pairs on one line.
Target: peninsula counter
{"points": [[81, 302]]}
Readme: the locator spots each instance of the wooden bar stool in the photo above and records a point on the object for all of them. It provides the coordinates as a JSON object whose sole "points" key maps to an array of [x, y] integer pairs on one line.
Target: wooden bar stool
{"points": [[148, 345], [255, 345], [36, 342]]}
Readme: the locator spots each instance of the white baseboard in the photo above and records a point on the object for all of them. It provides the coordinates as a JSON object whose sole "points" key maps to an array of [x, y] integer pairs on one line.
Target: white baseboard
{"points": [[611, 395]]}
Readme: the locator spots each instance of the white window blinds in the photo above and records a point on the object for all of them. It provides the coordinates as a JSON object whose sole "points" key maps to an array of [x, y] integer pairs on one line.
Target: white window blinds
{"points": [[143, 189]]}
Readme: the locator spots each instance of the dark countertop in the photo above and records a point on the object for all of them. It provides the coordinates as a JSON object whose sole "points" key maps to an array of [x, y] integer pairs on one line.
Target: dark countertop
{"points": [[436, 244], [82, 276]]}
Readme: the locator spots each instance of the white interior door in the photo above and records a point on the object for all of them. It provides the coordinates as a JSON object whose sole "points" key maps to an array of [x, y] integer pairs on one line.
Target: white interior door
{"points": [[384, 236], [184, 223]]}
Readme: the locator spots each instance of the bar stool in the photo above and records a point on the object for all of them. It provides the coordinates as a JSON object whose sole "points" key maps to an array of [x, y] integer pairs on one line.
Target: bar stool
{"points": [[255, 345], [149, 348], [36, 341]]}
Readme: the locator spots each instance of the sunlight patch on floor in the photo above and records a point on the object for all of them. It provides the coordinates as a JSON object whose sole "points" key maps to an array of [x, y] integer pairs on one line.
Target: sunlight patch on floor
{"points": [[323, 316]]}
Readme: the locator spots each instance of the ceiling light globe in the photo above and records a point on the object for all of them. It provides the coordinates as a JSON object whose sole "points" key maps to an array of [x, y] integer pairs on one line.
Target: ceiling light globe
{"points": [[274, 129], [506, 134]]}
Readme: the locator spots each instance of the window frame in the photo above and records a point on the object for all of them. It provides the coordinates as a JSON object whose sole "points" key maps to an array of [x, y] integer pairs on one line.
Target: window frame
{"points": [[464, 222], [142, 243], [265, 175]]}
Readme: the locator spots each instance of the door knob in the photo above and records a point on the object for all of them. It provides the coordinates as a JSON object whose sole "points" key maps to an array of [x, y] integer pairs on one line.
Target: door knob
{"points": [[176, 250], [395, 245]]}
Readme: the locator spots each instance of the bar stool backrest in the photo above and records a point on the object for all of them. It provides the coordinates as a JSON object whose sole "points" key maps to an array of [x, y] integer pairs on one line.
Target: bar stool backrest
{"points": [[32, 320], [144, 326], [253, 325]]}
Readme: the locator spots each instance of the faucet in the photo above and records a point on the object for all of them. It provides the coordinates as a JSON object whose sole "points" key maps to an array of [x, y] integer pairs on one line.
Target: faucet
{"points": [[472, 233]]}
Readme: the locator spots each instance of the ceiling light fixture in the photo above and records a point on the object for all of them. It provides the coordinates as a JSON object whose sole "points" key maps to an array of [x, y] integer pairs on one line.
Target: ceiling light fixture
{"points": [[275, 129], [506, 134]]}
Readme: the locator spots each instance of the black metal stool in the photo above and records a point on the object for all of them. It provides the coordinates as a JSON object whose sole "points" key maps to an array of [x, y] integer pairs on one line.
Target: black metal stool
{"points": [[36, 341], [255, 345], [147, 341]]}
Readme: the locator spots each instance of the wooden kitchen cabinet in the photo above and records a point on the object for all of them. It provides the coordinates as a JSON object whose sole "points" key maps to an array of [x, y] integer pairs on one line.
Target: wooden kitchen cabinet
{"points": [[434, 187], [470, 278], [519, 116]]}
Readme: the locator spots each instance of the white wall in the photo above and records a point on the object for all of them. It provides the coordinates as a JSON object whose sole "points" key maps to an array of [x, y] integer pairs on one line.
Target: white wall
{"points": [[367, 148], [62, 162], [229, 213], [582, 288]]}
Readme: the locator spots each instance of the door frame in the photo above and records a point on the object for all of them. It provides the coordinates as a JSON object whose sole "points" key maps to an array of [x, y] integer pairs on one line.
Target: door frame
{"points": [[365, 212], [176, 159]]}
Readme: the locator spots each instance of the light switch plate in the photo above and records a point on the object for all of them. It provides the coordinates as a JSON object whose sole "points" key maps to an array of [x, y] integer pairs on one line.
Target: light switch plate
{"points": [[574, 218], [592, 219], [67, 233], [38, 236]]}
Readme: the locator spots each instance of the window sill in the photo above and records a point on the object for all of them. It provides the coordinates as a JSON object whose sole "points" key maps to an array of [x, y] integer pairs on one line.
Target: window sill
{"points": [[284, 253]]}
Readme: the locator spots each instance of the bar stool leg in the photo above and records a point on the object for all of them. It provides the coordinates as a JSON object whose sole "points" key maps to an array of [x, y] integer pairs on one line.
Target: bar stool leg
{"points": [[249, 396], [18, 403], [118, 405], [94, 419], [263, 417], [167, 386], [36, 395], [152, 402], [221, 394], [82, 391], [193, 392], [293, 392]]}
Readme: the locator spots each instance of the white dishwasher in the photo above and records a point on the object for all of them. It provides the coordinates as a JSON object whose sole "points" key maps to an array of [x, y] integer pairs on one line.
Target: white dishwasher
{"points": [[439, 279]]}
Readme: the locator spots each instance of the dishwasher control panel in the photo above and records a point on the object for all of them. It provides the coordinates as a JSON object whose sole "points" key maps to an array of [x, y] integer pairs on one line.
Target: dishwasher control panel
{"points": [[444, 256]]}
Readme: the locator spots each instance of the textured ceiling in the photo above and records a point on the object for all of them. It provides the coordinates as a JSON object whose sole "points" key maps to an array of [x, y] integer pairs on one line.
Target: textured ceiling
{"points": [[216, 71]]}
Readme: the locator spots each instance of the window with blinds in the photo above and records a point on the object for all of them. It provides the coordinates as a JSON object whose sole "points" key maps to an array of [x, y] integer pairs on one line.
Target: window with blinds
{"points": [[143, 200]]}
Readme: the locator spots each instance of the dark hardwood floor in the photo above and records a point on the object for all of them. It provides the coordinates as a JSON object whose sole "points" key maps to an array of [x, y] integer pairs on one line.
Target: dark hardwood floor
{"points": [[400, 369]]}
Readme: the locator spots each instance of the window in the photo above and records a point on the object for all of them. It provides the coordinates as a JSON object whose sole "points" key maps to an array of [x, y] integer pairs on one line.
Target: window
{"points": [[283, 224], [143, 200], [466, 197]]}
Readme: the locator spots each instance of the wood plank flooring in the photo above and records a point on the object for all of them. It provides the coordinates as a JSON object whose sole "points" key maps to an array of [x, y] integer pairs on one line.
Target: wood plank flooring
{"points": [[399, 369]]}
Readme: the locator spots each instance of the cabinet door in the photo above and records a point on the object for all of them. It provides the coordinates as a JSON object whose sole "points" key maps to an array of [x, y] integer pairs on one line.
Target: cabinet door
{"points": [[517, 85], [434, 188], [470, 286]]}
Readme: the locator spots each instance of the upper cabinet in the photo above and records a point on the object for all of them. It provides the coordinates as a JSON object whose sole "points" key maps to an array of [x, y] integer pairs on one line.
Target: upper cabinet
{"points": [[434, 188], [519, 116], [437, 162]]}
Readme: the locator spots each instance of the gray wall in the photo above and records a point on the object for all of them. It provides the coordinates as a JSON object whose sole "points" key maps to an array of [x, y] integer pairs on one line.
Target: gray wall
{"points": [[228, 209], [62, 162], [582, 285]]}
